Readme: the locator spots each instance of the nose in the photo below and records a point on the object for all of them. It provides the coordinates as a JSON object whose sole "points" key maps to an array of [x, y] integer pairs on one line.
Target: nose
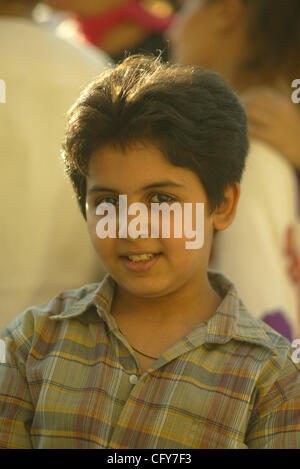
{"points": [[135, 223]]}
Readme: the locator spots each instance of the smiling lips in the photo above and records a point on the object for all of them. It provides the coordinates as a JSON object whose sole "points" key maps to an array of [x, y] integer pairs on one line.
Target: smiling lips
{"points": [[140, 262], [140, 257]]}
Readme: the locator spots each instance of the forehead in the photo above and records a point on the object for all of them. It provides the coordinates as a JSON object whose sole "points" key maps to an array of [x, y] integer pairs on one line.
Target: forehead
{"points": [[138, 165]]}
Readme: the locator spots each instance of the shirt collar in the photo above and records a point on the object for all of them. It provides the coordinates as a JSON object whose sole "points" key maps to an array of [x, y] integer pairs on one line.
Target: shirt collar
{"points": [[230, 321], [99, 295]]}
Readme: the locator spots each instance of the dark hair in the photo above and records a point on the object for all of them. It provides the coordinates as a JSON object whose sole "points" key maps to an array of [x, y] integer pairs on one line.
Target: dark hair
{"points": [[190, 114], [274, 36]]}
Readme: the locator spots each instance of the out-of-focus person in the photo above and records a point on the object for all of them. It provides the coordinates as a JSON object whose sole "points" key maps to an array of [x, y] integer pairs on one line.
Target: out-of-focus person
{"points": [[255, 44], [118, 27], [274, 118], [43, 75]]}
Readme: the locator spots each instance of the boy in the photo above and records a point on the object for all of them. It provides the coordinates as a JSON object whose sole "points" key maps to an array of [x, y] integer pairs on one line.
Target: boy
{"points": [[161, 354]]}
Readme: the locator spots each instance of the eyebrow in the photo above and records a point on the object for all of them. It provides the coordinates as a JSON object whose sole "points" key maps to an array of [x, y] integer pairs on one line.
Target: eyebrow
{"points": [[155, 185]]}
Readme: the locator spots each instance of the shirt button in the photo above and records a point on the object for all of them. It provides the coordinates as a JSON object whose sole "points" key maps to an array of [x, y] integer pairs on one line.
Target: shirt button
{"points": [[133, 379]]}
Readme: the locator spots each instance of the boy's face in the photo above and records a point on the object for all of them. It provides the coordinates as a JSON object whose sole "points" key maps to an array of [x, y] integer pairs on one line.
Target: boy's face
{"points": [[144, 175]]}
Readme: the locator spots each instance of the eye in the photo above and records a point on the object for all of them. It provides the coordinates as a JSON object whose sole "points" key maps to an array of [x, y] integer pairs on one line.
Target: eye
{"points": [[160, 197], [106, 200]]}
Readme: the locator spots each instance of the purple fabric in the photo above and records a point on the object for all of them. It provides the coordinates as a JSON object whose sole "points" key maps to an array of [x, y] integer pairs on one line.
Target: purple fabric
{"points": [[278, 322]]}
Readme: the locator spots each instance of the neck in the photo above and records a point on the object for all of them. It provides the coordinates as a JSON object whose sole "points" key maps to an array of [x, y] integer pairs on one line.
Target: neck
{"points": [[191, 302]]}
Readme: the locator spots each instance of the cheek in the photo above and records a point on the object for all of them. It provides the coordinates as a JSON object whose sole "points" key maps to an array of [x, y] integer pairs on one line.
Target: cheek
{"points": [[194, 249], [91, 226], [103, 247], [181, 258], [106, 251], [189, 231]]}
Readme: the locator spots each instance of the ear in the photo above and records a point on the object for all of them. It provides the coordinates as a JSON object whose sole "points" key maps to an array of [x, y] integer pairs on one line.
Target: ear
{"points": [[224, 215], [230, 14]]}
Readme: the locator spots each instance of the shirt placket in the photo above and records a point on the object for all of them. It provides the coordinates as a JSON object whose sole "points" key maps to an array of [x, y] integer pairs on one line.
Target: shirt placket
{"points": [[126, 431]]}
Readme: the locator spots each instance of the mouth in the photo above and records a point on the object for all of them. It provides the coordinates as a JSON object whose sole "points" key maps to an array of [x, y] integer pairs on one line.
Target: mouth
{"points": [[140, 257], [140, 262]]}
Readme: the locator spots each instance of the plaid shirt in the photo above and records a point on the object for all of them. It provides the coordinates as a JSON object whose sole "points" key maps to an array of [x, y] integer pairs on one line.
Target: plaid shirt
{"points": [[69, 379]]}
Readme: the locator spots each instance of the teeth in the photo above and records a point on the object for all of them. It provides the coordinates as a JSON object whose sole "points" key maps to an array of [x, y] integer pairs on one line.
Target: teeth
{"points": [[141, 257]]}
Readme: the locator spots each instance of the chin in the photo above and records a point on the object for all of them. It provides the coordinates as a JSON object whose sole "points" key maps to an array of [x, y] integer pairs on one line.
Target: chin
{"points": [[147, 288]]}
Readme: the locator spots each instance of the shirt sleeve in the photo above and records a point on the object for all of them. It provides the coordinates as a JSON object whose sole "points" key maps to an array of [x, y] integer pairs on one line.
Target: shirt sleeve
{"points": [[275, 420], [16, 406]]}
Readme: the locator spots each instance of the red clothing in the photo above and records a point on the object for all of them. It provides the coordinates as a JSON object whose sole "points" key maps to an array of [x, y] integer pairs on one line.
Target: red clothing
{"points": [[94, 28]]}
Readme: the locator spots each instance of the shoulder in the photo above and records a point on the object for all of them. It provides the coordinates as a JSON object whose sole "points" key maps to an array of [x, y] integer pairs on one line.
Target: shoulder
{"points": [[38, 320], [246, 330], [234, 322], [280, 362]]}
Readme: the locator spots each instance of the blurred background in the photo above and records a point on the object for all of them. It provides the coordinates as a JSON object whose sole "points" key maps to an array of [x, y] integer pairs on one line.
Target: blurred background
{"points": [[114, 26]]}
